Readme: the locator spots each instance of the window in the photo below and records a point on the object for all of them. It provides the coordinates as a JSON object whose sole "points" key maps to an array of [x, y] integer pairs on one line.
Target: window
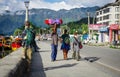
{"points": [[116, 22], [105, 17], [97, 13], [97, 19], [100, 12], [106, 10], [106, 23], [100, 18], [117, 16], [117, 9]]}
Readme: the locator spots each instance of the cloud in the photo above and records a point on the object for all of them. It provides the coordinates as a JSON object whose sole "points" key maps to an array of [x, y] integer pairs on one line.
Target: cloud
{"points": [[60, 4], [1, 1], [53, 6], [68, 4], [11, 5], [89, 3]]}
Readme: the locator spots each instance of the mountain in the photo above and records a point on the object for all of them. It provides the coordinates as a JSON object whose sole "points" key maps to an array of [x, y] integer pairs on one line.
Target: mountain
{"points": [[12, 20]]}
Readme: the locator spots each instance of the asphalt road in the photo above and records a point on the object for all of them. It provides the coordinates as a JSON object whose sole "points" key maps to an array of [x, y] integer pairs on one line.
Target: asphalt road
{"points": [[107, 56], [105, 63]]}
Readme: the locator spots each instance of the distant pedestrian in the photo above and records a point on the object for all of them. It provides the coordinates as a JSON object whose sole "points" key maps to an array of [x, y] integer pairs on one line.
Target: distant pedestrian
{"points": [[76, 48], [65, 46], [54, 44]]}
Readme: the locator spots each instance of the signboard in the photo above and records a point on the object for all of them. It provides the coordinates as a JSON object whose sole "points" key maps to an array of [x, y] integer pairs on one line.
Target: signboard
{"points": [[103, 29], [114, 26], [95, 26]]}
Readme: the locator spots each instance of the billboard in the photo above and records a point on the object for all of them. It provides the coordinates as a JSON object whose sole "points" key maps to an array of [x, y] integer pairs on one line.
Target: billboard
{"points": [[95, 26]]}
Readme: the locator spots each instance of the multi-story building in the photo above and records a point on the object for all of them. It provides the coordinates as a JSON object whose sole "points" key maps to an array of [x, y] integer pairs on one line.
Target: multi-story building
{"points": [[109, 15]]}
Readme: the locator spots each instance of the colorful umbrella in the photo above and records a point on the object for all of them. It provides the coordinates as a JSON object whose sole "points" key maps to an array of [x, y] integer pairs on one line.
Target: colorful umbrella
{"points": [[52, 22]]}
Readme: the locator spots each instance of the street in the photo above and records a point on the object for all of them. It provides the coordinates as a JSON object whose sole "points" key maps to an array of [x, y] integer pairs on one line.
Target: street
{"points": [[107, 56], [105, 63]]}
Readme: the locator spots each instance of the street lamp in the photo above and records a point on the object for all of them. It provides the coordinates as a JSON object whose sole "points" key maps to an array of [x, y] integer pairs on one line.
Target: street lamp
{"points": [[26, 5]]}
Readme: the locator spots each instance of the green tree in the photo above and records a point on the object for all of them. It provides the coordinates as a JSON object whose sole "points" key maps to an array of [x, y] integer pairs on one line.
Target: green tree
{"points": [[17, 32], [65, 27], [84, 28]]}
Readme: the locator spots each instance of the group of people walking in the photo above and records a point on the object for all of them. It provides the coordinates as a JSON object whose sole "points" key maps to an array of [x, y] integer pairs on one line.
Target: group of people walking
{"points": [[65, 44]]}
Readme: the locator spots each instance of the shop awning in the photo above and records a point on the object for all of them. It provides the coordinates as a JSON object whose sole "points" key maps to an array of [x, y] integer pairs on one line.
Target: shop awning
{"points": [[114, 27]]}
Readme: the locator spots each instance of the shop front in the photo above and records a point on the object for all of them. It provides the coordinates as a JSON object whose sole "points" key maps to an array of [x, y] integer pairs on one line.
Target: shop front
{"points": [[114, 33], [103, 37], [95, 31]]}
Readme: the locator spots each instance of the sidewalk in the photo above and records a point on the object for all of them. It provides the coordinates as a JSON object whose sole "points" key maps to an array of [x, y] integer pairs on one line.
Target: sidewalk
{"points": [[43, 67]]}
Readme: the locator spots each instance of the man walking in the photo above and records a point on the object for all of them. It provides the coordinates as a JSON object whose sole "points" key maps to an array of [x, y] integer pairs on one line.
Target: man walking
{"points": [[54, 44]]}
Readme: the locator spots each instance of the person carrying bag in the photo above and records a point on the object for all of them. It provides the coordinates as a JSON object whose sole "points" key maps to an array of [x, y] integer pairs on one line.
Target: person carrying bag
{"points": [[77, 45]]}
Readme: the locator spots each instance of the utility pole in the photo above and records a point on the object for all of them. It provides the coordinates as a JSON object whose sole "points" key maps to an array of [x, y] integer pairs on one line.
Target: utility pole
{"points": [[93, 22], [88, 24]]}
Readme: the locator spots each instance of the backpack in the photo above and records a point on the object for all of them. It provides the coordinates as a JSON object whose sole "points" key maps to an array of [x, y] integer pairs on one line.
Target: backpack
{"points": [[67, 40], [30, 36]]}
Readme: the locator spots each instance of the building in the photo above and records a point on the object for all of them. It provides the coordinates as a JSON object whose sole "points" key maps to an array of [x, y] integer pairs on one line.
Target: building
{"points": [[109, 15]]}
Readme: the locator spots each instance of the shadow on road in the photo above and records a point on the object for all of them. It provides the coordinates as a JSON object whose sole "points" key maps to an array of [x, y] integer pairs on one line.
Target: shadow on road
{"points": [[37, 69], [45, 51], [62, 66], [91, 59]]}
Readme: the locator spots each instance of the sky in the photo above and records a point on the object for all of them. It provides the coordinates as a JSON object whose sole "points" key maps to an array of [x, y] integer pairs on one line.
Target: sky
{"points": [[14, 5]]}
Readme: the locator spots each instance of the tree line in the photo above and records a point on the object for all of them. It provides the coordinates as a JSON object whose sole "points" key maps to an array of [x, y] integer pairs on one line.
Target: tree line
{"points": [[80, 26]]}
